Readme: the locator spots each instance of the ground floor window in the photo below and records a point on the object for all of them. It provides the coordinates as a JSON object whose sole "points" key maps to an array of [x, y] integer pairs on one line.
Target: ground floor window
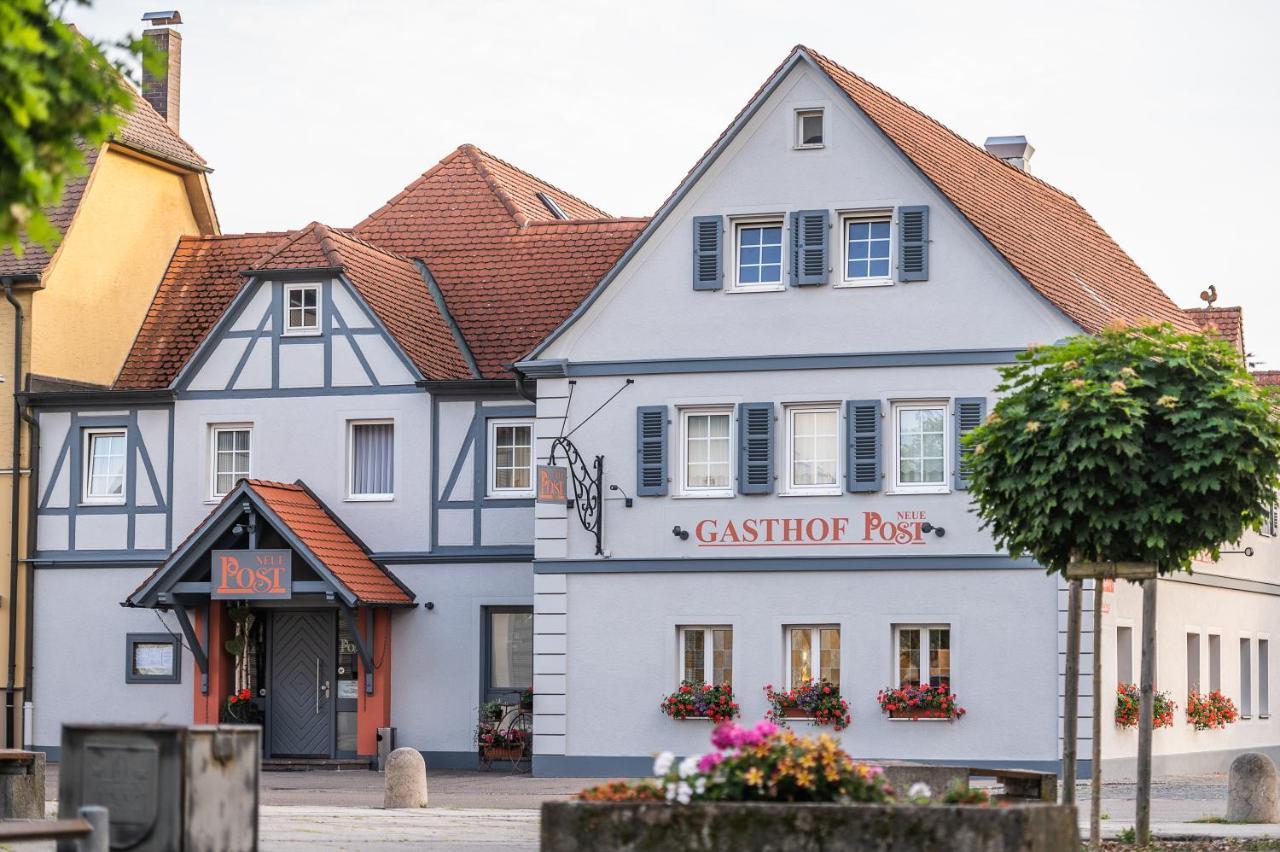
{"points": [[1124, 654], [813, 653], [508, 652], [706, 655], [1193, 663], [924, 654], [152, 658], [1246, 678], [1264, 678]]}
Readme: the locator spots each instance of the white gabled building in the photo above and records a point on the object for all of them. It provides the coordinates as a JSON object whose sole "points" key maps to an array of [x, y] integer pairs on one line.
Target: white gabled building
{"points": [[776, 374]]}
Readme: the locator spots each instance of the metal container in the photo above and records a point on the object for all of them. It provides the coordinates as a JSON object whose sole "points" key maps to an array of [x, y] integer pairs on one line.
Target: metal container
{"points": [[386, 745], [166, 788]]}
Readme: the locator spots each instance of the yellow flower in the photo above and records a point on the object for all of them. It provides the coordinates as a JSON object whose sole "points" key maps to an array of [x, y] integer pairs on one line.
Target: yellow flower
{"points": [[1118, 386], [754, 777], [980, 449], [804, 779], [1069, 365], [1033, 425], [809, 760], [994, 417], [1064, 404], [1076, 384], [1128, 372], [1167, 401]]}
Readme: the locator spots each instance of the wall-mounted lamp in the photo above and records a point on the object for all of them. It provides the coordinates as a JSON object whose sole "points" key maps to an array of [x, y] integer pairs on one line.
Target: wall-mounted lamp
{"points": [[683, 535], [626, 500], [1248, 551], [927, 527], [430, 605]]}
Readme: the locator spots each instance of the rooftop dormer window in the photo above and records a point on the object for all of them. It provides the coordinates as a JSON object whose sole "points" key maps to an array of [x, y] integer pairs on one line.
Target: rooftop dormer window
{"points": [[809, 128]]}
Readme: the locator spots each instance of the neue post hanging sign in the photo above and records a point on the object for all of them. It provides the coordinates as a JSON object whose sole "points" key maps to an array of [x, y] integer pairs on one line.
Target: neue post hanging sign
{"points": [[252, 575]]}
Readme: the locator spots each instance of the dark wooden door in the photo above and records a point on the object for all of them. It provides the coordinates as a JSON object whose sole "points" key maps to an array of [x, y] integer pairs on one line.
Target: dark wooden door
{"points": [[302, 653]]}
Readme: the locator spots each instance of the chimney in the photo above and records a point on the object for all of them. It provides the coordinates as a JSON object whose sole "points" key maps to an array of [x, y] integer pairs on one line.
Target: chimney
{"points": [[165, 93], [1014, 150]]}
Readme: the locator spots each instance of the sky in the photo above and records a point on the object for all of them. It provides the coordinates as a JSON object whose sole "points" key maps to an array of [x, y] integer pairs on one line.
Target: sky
{"points": [[1160, 117]]}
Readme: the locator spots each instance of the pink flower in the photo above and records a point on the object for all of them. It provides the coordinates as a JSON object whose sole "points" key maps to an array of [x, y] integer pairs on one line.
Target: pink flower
{"points": [[765, 728], [709, 761], [725, 736]]}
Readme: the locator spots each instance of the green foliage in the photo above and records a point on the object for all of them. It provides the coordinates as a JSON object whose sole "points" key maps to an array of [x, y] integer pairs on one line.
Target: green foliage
{"points": [[1135, 445], [58, 93]]}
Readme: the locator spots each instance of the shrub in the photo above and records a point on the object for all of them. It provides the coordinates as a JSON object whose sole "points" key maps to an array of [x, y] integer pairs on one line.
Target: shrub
{"points": [[695, 700], [1129, 703], [962, 794], [910, 698], [819, 701], [623, 791], [1214, 710]]}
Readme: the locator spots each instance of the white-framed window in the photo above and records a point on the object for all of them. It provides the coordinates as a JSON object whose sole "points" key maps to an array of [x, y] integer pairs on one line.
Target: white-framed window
{"points": [[1193, 662], [706, 654], [920, 455], [757, 254], [813, 449], [302, 309], [229, 450], [923, 654], [813, 654], [810, 132], [1124, 654], [104, 466], [1264, 678], [371, 462], [706, 442], [1246, 677], [510, 458], [867, 248]]}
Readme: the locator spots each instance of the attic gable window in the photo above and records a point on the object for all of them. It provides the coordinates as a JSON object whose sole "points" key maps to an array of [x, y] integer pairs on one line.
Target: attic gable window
{"points": [[550, 203], [302, 309], [809, 128]]}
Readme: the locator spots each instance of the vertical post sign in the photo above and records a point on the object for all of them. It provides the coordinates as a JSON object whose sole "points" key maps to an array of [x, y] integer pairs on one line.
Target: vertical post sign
{"points": [[553, 483], [252, 575]]}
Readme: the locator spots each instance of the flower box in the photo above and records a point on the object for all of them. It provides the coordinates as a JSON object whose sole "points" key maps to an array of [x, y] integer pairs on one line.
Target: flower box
{"points": [[915, 715], [913, 701], [512, 753], [701, 701], [818, 702], [795, 713]]}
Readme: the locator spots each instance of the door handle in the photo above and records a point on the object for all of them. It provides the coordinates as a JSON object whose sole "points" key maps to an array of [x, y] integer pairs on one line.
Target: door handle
{"points": [[317, 686]]}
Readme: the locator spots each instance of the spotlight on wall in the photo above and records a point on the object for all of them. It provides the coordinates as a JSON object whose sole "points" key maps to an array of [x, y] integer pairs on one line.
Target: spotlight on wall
{"points": [[430, 604], [927, 527], [626, 499], [683, 535]]}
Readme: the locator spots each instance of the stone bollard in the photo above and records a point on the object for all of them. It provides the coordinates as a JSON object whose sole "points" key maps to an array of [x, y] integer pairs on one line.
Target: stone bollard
{"points": [[406, 781], [1251, 789]]}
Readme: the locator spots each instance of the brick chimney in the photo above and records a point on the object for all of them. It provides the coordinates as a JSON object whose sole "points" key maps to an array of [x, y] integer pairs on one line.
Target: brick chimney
{"points": [[165, 93]]}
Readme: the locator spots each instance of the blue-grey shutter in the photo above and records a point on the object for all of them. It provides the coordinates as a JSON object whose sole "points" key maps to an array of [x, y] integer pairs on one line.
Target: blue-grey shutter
{"points": [[808, 247], [755, 448], [913, 243], [968, 416], [862, 431], [708, 256], [651, 450]]}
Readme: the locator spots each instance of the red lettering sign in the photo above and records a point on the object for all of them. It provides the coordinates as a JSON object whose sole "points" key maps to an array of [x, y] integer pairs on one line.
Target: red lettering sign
{"points": [[904, 528], [552, 484], [251, 574]]}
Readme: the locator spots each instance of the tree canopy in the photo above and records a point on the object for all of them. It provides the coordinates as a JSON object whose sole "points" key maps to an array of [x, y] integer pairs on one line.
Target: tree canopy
{"points": [[59, 92], [1135, 445]]}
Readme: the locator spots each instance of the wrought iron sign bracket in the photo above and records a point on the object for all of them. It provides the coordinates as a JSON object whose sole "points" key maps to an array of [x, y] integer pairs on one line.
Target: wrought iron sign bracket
{"points": [[587, 499]]}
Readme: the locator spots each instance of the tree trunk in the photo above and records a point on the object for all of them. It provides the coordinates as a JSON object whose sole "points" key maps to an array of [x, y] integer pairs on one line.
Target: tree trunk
{"points": [[1145, 711], [1071, 700]]}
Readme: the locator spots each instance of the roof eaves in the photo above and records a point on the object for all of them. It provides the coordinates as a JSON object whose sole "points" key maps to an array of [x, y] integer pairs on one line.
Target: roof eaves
{"points": [[146, 151]]}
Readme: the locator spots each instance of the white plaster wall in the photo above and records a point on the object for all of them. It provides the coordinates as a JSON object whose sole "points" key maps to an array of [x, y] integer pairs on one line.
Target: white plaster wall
{"points": [[79, 660], [436, 654], [623, 658], [972, 298]]}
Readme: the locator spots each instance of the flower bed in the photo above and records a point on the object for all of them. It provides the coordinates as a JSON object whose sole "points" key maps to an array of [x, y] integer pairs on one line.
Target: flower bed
{"points": [[701, 701], [922, 701], [819, 701], [1214, 710], [1129, 705]]}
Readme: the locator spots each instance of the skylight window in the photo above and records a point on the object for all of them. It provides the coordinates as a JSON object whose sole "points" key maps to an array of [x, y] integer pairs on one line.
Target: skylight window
{"points": [[550, 204]]}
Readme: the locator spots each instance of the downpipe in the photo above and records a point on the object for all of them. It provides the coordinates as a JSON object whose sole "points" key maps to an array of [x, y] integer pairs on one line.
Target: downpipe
{"points": [[28, 643], [10, 708]]}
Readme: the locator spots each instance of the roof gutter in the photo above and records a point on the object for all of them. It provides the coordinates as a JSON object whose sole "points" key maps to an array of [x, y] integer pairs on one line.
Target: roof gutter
{"points": [[128, 396], [293, 273]]}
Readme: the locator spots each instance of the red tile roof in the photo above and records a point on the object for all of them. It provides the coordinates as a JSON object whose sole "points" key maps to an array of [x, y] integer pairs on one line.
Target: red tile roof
{"points": [[202, 278], [1267, 378], [1044, 233], [144, 130], [1226, 322], [312, 522], [509, 270]]}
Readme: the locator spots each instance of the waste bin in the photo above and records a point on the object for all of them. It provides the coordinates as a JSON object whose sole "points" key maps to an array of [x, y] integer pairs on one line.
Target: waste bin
{"points": [[386, 745]]}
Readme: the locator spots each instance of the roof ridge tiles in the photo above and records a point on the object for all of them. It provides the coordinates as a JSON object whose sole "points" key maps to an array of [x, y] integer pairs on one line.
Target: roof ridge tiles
{"points": [[475, 150], [472, 153]]}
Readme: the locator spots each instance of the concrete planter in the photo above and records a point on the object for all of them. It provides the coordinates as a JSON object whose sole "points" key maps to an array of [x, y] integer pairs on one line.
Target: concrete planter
{"points": [[736, 827]]}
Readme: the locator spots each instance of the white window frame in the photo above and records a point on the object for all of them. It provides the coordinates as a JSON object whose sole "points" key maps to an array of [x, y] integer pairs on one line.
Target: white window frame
{"points": [[214, 429], [925, 674], [849, 216], [896, 409], [351, 460], [708, 649], [792, 489], [491, 465], [302, 331], [815, 644], [86, 483], [798, 140], [683, 451], [736, 225]]}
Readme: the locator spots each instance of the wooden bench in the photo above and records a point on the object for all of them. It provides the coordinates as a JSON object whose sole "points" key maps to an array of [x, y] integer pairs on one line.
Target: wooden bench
{"points": [[19, 830]]}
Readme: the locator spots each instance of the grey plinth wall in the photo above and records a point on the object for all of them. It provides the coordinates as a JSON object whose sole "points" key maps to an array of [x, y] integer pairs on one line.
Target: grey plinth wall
{"points": [[738, 827]]}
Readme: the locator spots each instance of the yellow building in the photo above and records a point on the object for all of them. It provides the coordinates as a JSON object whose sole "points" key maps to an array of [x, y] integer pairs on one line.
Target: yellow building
{"points": [[77, 310]]}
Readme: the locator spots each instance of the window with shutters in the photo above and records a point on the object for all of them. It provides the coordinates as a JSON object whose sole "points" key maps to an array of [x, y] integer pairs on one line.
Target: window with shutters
{"points": [[868, 246], [706, 441], [813, 449], [510, 458], [920, 461], [813, 654], [302, 309], [706, 654], [757, 254], [923, 654], [371, 471], [809, 128], [229, 457]]}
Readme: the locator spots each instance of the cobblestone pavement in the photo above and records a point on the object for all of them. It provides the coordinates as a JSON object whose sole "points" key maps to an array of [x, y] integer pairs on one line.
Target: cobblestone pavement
{"points": [[288, 828]]}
